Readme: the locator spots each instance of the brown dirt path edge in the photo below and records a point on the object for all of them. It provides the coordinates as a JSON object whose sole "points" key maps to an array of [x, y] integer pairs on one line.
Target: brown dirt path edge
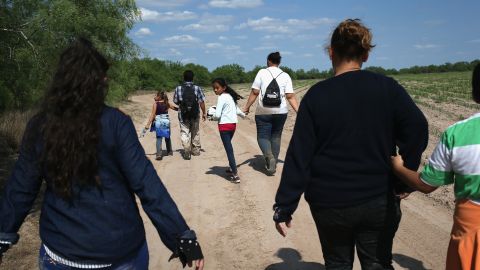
{"points": [[234, 222]]}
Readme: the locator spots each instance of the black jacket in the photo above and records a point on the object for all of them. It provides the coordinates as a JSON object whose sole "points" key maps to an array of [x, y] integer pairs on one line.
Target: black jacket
{"points": [[346, 130]]}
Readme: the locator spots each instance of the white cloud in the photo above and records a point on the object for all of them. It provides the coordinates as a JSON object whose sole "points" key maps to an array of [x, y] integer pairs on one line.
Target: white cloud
{"points": [[180, 40], [155, 16], [273, 25], [308, 55], [210, 23], [273, 37], [176, 52], [264, 48], [188, 60], [162, 3], [223, 38], [286, 53], [425, 46], [475, 41], [235, 3], [232, 47], [241, 37], [143, 32], [213, 45], [382, 58]]}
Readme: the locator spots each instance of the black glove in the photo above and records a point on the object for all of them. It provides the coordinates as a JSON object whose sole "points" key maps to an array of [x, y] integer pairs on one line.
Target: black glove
{"points": [[281, 215], [4, 248], [188, 249]]}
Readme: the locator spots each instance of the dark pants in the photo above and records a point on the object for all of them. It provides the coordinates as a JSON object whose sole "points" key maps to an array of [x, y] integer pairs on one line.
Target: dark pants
{"points": [[269, 134], [369, 227], [227, 137], [168, 142]]}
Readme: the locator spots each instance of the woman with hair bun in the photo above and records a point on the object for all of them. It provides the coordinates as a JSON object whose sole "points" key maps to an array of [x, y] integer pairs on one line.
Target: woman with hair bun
{"points": [[274, 89], [347, 128]]}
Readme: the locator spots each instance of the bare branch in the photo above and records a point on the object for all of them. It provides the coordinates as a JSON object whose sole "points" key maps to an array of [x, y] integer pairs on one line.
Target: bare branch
{"points": [[24, 37], [30, 43], [9, 30]]}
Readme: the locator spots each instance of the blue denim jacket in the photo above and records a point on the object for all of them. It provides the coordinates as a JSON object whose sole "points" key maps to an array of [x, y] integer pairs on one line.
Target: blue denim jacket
{"points": [[99, 225]]}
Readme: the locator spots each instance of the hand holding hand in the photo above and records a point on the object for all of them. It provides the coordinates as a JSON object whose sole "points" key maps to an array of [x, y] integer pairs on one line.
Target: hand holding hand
{"points": [[403, 195], [282, 227], [397, 162]]}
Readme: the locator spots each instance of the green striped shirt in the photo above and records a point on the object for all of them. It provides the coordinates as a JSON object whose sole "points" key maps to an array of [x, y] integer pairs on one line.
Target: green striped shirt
{"points": [[456, 159]]}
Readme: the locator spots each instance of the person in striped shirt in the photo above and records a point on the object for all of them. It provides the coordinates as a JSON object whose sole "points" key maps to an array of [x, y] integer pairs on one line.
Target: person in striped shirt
{"points": [[456, 160]]}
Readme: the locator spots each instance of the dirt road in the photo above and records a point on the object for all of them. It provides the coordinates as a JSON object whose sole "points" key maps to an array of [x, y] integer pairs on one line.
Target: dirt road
{"points": [[234, 222]]}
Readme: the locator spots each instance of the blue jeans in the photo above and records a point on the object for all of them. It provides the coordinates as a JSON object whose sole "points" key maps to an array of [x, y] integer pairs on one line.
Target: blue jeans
{"points": [[168, 141], [269, 133], [140, 262], [227, 137]]}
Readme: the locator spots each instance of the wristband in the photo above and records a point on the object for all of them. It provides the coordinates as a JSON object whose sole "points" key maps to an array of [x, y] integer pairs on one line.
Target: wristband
{"points": [[188, 249], [281, 216]]}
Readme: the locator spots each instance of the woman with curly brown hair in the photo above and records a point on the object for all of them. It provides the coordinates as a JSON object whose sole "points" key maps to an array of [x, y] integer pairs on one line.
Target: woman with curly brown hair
{"points": [[347, 128], [93, 165]]}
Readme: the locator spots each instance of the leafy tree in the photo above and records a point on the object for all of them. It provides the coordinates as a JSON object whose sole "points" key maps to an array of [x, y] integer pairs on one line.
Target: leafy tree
{"points": [[290, 72], [33, 33], [202, 75], [232, 73]]}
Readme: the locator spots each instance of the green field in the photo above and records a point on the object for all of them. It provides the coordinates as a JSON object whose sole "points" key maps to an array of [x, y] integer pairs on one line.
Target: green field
{"points": [[433, 90], [445, 98]]}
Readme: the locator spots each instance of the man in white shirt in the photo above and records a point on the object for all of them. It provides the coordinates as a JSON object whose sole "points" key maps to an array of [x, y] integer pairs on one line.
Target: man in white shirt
{"points": [[271, 119]]}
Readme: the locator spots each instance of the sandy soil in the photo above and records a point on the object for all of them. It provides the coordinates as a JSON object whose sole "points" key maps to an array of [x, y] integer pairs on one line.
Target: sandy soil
{"points": [[234, 222]]}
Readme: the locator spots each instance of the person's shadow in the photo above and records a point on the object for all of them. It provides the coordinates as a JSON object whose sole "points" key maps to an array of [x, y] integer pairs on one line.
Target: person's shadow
{"points": [[219, 171], [257, 163], [408, 262], [292, 260]]}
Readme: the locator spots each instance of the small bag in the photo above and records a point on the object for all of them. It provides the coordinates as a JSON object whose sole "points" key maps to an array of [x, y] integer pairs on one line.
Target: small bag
{"points": [[272, 96]]}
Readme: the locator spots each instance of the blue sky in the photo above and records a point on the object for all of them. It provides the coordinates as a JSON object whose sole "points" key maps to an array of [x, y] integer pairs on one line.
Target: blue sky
{"points": [[218, 32]]}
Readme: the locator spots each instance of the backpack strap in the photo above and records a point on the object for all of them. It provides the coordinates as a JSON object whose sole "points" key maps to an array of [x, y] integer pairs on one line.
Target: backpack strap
{"points": [[272, 74], [185, 86], [278, 75]]}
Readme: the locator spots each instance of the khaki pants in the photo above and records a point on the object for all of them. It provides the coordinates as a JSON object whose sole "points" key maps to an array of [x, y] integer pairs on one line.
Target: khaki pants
{"points": [[190, 136]]}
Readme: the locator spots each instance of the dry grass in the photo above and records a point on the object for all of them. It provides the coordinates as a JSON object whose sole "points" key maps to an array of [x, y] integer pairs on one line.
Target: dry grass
{"points": [[24, 254], [12, 126]]}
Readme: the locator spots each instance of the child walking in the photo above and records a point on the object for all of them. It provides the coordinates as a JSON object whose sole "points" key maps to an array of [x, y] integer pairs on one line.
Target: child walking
{"points": [[226, 114], [161, 122], [456, 159]]}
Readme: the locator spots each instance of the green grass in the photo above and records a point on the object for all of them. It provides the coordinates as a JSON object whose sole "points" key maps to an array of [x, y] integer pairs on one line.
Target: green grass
{"points": [[441, 88]]}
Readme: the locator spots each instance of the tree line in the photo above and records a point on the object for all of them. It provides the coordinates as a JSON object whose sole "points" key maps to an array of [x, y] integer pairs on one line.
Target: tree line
{"points": [[447, 67], [33, 34]]}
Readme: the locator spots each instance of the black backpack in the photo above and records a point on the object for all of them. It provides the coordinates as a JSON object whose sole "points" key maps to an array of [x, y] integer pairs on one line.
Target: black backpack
{"points": [[272, 96], [189, 107]]}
